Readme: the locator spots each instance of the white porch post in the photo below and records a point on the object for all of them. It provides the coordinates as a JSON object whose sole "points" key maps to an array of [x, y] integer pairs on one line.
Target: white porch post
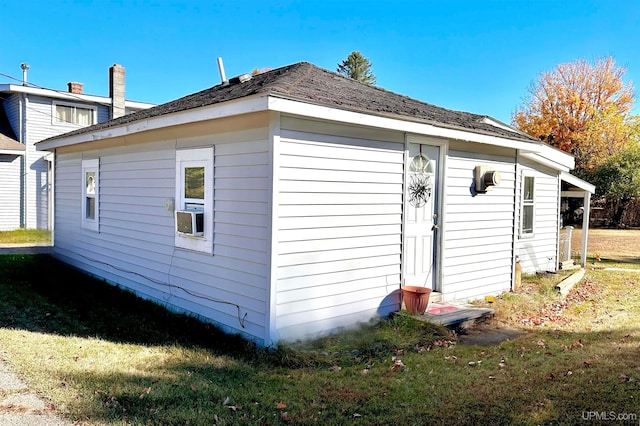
{"points": [[585, 228]]}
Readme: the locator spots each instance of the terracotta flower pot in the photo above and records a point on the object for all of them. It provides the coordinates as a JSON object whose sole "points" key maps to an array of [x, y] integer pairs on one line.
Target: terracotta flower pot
{"points": [[416, 298]]}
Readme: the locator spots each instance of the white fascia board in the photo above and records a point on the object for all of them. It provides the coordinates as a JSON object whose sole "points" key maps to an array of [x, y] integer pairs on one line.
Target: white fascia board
{"points": [[137, 105], [12, 151], [50, 93], [304, 109], [541, 159], [211, 112], [577, 182], [560, 157]]}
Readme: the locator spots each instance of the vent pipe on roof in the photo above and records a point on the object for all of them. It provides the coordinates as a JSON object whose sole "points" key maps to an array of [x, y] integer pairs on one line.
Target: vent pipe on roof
{"points": [[24, 67], [223, 77]]}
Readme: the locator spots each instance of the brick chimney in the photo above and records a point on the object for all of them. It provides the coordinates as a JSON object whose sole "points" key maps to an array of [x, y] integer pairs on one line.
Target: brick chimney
{"points": [[75, 87], [116, 91]]}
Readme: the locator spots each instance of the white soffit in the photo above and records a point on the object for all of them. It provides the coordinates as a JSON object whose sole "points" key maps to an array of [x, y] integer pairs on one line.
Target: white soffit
{"points": [[11, 152], [556, 163], [577, 182], [221, 110], [334, 114], [294, 107], [57, 94]]}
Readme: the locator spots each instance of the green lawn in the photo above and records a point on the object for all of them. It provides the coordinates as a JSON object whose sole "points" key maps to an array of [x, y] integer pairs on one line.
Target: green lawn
{"points": [[104, 357]]}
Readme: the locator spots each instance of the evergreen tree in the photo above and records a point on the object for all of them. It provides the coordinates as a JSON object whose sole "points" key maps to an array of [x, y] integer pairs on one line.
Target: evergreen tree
{"points": [[357, 67]]}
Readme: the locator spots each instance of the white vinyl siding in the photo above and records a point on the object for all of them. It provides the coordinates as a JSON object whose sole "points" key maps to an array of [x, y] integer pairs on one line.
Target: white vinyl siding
{"points": [[339, 231], [478, 228], [538, 251], [11, 104], [135, 247], [39, 117], [10, 167], [11, 172]]}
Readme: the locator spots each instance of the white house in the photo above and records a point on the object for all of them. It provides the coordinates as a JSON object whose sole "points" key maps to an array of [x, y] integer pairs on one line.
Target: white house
{"points": [[296, 202], [28, 114]]}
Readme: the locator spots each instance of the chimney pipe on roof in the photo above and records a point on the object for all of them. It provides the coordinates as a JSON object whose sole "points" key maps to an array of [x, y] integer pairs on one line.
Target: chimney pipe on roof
{"points": [[116, 91], [223, 77], [24, 67]]}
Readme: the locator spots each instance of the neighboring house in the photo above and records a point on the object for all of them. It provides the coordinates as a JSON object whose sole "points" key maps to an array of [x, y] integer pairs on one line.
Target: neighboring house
{"points": [[29, 114], [297, 202]]}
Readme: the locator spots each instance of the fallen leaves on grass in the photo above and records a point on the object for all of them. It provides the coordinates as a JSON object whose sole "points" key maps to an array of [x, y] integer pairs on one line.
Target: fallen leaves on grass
{"points": [[145, 392], [397, 364], [554, 312], [440, 343], [231, 407]]}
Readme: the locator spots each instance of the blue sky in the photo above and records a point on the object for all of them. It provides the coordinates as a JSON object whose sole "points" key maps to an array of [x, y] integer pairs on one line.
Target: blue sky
{"points": [[476, 56]]}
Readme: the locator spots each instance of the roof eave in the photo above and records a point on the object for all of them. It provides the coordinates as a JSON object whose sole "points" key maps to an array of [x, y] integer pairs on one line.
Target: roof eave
{"points": [[283, 104], [294, 107], [11, 152], [577, 182], [68, 96], [549, 156], [210, 112]]}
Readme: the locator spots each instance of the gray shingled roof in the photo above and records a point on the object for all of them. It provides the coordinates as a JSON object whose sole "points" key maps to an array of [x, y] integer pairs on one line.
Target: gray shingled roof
{"points": [[306, 82]]}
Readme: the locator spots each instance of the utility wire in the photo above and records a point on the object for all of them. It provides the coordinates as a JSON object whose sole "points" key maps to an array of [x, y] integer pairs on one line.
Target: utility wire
{"points": [[74, 95], [52, 117], [241, 318]]}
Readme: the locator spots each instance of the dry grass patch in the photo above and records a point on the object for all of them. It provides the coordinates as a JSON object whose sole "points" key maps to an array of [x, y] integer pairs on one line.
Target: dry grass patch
{"points": [[616, 244], [25, 236]]}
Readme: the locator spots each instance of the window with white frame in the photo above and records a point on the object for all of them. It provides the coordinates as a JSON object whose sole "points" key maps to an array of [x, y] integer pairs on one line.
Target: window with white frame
{"points": [[528, 208], [90, 194], [193, 216], [81, 115]]}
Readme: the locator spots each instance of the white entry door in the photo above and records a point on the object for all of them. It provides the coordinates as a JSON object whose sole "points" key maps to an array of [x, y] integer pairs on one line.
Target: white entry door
{"points": [[421, 215]]}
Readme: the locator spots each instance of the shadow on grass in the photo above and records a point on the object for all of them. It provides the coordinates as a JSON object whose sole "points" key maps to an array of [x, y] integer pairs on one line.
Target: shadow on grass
{"points": [[548, 376], [41, 294], [619, 259]]}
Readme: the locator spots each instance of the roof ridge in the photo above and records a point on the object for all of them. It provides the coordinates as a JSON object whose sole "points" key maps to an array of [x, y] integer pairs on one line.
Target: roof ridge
{"points": [[306, 82]]}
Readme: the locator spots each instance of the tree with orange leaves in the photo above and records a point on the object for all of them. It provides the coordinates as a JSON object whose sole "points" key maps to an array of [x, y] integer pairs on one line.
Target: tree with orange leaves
{"points": [[581, 108]]}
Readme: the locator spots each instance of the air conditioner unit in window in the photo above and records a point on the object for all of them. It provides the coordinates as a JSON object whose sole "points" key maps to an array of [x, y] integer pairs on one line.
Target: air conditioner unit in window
{"points": [[190, 222]]}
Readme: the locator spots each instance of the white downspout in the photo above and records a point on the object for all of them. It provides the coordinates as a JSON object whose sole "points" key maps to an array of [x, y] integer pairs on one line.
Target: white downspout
{"points": [[25, 163], [23, 139], [516, 230]]}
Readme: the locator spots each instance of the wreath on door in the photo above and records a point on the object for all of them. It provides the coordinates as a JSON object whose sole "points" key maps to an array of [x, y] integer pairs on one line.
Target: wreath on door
{"points": [[420, 186]]}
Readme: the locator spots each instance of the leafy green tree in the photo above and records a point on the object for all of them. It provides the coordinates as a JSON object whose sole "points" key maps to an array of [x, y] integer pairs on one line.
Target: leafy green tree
{"points": [[618, 178], [358, 68]]}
